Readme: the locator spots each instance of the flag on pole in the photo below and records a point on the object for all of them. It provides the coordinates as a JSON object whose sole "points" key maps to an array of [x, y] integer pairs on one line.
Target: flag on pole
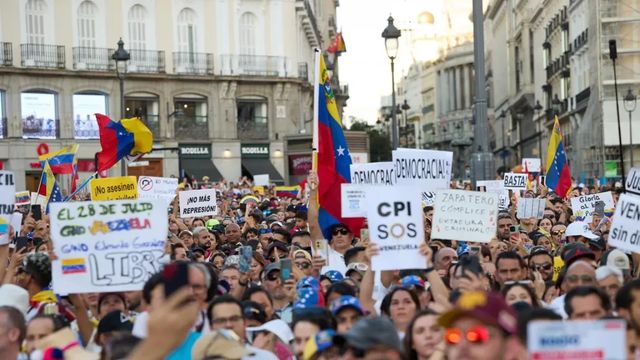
{"points": [[558, 172], [119, 139], [333, 157], [63, 161], [337, 46], [49, 187]]}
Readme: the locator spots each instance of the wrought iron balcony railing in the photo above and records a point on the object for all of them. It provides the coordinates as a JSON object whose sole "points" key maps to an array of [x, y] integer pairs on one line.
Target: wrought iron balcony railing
{"points": [[6, 54], [253, 65], [146, 61], [191, 127], [253, 129], [192, 63], [42, 56], [93, 59]]}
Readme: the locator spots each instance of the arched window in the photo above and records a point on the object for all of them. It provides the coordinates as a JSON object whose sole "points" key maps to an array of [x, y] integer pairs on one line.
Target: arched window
{"points": [[248, 34], [136, 20], [35, 13], [87, 12], [187, 31]]}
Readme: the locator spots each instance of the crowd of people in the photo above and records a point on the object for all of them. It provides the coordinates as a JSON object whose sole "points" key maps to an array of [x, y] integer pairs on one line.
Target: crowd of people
{"points": [[292, 301]]}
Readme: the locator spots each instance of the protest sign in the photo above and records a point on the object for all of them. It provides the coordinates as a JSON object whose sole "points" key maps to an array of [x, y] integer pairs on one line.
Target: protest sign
{"points": [[115, 188], [531, 208], [150, 187], [107, 246], [584, 206], [428, 198], [531, 165], [625, 229], [465, 215], [396, 226], [7, 201], [196, 203], [379, 173], [632, 183], [37, 199], [23, 198], [429, 169], [577, 339], [353, 200], [261, 180], [490, 185], [16, 221], [515, 181]]}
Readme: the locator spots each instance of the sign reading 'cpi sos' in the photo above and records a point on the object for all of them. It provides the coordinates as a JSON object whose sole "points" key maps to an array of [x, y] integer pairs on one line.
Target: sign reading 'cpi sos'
{"points": [[395, 225]]}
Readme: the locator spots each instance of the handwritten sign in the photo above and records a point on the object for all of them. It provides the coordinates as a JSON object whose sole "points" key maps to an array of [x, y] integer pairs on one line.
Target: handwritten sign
{"points": [[531, 165], [531, 208], [515, 181], [396, 226], [379, 173], [465, 215], [584, 206], [353, 200], [108, 245], [261, 180], [625, 229], [429, 169], [197, 203], [7, 203], [150, 187], [115, 188], [577, 339], [632, 183], [37, 199]]}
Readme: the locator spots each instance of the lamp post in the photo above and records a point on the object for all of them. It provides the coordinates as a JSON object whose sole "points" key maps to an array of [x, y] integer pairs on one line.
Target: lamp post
{"points": [[613, 55], [537, 108], [404, 108], [630, 102], [503, 116], [391, 35], [121, 56]]}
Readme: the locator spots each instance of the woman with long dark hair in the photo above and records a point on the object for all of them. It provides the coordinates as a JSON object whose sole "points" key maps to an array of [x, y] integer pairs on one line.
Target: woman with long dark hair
{"points": [[424, 338], [400, 305]]}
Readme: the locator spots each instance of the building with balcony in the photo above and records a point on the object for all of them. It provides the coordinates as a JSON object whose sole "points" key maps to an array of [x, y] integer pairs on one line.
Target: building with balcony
{"points": [[213, 80]]}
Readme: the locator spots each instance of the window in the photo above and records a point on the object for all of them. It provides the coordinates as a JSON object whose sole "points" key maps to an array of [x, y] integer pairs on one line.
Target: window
{"points": [[247, 34], [252, 120], [191, 118], [146, 108], [3, 118], [87, 24], [35, 13], [187, 34], [137, 27], [39, 114], [85, 106]]}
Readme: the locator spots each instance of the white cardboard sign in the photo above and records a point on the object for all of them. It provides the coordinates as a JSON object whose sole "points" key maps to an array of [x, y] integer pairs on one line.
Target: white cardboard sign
{"points": [[584, 206], [107, 246], [7, 203], [379, 173], [531, 208], [429, 169], [625, 229], [261, 180], [531, 165], [515, 181], [577, 339], [353, 200], [632, 182], [465, 215], [150, 187], [396, 226], [196, 203]]}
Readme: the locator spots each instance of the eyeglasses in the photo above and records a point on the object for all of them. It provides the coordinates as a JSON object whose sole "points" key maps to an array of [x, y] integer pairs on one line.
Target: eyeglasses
{"points": [[582, 278], [520, 282], [557, 232], [303, 265], [230, 319], [358, 266], [475, 335], [273, 276], [342, 231], [545, 266]]}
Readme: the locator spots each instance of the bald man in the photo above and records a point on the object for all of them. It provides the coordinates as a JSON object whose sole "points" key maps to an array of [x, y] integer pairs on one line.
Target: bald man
{"points": [[444, 258], [580, 273], [233, 233]]}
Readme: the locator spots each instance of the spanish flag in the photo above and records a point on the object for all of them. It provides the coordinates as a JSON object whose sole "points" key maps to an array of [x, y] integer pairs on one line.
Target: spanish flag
{"points": [[129, 137]]}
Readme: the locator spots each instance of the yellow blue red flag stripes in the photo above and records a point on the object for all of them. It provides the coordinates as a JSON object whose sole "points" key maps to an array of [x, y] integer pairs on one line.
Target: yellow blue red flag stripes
{"points": [[63, 161], [120, 139], [49, 186], [558, 172], [333, 158]]}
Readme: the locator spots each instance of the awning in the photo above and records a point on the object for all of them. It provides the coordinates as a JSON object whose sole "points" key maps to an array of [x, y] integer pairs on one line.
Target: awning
{"points": [[200, 167], [262, 166]]}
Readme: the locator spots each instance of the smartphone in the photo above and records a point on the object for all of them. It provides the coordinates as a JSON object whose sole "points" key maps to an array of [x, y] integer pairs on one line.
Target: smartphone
{"points": [[175, 276], [36, 212], [321, 249], [246, 254], [21, 242], [364, 233], [514, 229], [475, 250], [285, 269]]}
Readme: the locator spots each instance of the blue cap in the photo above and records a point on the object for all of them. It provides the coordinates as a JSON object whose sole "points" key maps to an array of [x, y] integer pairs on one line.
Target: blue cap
{"points": [[333, 276], [308, 282], [346, 301], [307, 298], [318, 343], [412, 280]]}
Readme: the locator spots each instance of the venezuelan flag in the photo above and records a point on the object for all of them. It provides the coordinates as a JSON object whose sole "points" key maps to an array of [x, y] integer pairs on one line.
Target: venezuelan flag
{"points": [[63, 161], [120, 139], [333, 158], [49, 186], [73, 266], [288, 191], [558, 172]]}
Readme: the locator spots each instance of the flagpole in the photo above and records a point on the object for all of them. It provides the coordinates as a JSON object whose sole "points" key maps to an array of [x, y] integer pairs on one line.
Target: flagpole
{"points": [[40, 184], [316, 95], [82, 186]]}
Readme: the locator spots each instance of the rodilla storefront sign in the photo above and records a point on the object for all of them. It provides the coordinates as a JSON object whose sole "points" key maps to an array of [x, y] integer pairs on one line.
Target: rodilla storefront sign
{"points": [[195, 151], [254, 150]]}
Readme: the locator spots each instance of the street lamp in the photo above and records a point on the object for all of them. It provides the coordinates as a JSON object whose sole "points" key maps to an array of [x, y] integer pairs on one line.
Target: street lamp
{"points": [[404, 108], [630, 102], [121, 56], [537, 108], [556, 105], [613, 55], [503, 153], [391, 35]]}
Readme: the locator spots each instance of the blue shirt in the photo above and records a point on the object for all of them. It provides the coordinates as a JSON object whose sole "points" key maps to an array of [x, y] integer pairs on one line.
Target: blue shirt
{"points": [[184, 350]]}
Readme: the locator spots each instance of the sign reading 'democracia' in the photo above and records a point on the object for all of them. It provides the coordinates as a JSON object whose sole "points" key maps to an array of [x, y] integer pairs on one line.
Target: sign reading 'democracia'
{"points": [[429, 168], [107, 246]]}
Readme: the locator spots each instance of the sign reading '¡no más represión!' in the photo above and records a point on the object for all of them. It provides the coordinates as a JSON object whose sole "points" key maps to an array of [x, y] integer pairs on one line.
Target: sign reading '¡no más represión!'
{"points": [[196, 203], [107, 246]]}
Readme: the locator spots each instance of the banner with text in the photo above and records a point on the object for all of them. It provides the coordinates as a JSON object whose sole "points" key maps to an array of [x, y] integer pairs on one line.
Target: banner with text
{"points": [[396, 226], [531, 165], [625, 230], [261, 180], [515, 181], [632, 183], [353, 200], [465, 215], [7, 203], [531, 208], [150, 187], [428, 169], [584, 206], [196, 203], [106, 246], [114, 188], [379, 173]]}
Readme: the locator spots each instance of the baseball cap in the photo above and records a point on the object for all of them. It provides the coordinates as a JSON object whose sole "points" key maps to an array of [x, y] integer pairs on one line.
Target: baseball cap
{"points": [[211, 223], [277, 327], [251, 310], [221, 343], [277, 244], [318, 343], [370, 332], [308, 282], [412, 280], [580, 229], [598, 243], [346, 301], [333, 276], [302, 254], [115, 321], [279, 223], [308, 298], [577, 251], [15, 296], [104, 295], [198, 249], [618, 259], [271, 267], [185, 232], [490, 308]]}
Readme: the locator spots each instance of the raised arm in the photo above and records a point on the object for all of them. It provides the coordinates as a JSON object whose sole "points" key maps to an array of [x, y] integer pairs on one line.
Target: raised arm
{"points": [[312, 209]]}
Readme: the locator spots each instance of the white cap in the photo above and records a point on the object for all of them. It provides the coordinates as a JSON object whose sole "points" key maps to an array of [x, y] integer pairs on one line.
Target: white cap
{"points": [[580, 229], [618, 259], [277, 327], [15, 296]]}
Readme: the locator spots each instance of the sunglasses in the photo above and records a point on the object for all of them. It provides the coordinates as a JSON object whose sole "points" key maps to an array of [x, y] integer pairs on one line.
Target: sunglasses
{"points": [[545, 266], [521, 282], [475, 335], [583, 278], [340, 231], [303, 265], [273, 276], [557, 232]]}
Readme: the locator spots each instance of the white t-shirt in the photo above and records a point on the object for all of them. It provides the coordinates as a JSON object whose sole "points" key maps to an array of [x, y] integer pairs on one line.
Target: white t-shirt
{"points": [[336, 262], [557, 305]]}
